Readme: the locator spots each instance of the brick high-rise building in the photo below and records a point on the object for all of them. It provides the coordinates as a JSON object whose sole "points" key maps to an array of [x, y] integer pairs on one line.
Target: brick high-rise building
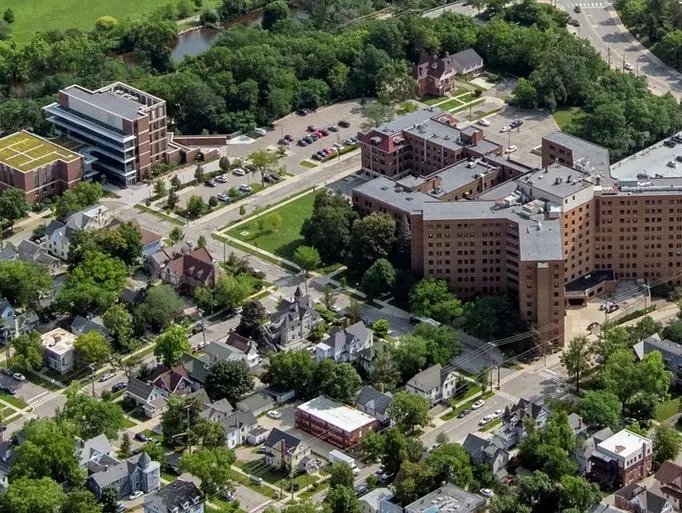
{"points": [[124, 127]]}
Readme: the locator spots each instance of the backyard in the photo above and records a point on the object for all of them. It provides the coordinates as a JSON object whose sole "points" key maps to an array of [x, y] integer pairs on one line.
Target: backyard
{"points": [[287, 237], [565, 117]]}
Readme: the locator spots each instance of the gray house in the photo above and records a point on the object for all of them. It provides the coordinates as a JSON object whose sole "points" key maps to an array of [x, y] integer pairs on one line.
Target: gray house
{"points": [[81, 325], [435, 384], [180, 496], [670, 351], [293, 321], [138, 472], [584, 451], [374, 403], [237, 424], [514, 418], [345, 345], [487, 451]]}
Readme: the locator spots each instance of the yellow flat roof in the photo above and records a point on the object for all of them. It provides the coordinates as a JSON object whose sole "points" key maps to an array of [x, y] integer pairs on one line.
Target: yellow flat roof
{"points": [[25, 151]]}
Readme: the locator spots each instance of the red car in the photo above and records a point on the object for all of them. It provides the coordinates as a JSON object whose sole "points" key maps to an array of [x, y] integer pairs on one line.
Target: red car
{"points": [[289, 138], [319, 134], [311, 128]]}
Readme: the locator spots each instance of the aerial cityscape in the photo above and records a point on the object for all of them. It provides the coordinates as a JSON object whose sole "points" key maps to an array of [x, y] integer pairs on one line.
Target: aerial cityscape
{"points": [[352, 256]]}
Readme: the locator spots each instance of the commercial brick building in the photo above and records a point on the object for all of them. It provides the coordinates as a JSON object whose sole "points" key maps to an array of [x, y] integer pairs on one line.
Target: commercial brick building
{"points": [[548, 237], [37, 166], [334, 422], [622, 459], [125, 128]]}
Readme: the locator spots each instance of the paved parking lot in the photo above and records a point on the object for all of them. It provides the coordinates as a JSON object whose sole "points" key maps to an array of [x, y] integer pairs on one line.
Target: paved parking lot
{"points": [[250, 500], [536, 124]]}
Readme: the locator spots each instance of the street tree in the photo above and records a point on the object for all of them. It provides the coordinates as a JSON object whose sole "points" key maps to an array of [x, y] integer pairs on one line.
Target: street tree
{"points": [[483, 379], [118, 320], [91, 417], [160, 187], [341, 475], [431, 298], [23, 283], [409, 411], [262, 160], [601, 408], [13, 205], [342, 499], [378, 279], [162, 306], [199, 173], [27, 495], [273, 221], [92, 348], [172, 202], [176, 235], [211, 466], [171, 345], [667, 443], [29, 352], [251, 323], [195, 206], [231, 290], [180, 415], [576, 358], [307, 258], [209, 434], [228, 380], [201, 241]]}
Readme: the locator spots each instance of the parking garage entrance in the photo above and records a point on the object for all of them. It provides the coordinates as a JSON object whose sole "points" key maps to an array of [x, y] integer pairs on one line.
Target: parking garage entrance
{"points": [[580, 290]]}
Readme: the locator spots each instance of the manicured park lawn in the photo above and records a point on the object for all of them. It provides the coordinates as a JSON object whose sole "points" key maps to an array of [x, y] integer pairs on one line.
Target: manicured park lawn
{"points": [[32, 16], [450, 104], [564, 117], [287, 237]]}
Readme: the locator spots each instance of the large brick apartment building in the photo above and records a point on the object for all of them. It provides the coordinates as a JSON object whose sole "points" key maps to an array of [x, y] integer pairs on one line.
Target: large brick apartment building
{"points": [[547, 236]]}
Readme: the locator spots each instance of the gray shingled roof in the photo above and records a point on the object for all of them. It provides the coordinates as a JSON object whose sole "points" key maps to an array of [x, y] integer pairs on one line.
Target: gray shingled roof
{"points": [[467, 57], [175, 494], [427, 379], [277, 436], [139, 389], [371, 398]]}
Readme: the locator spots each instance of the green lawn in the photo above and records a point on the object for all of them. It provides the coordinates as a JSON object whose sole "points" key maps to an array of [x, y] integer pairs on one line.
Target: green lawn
{"points": [[433, 100], [46, 15], [564, 117], [491, 425], [667, 409], [453, 103], [13, 400], [308, 164], [287, 238]]}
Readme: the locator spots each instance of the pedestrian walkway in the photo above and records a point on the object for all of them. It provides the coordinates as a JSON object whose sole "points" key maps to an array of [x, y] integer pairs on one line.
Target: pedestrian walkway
{"points": [[43, 398]]}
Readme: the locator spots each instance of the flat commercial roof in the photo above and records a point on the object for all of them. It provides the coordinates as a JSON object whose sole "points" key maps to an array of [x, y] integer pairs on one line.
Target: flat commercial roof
{"points": [[336, 414], [383, 189], [624, 443], [597, 156], [59, 341], [127, 108], [25, 151], [651, 162]]}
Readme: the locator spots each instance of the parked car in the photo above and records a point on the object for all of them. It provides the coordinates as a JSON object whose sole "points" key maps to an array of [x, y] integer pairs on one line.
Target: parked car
{"points": [[221, 179], [223, 196], [210, 183], [498, 412], [486, 492], [308, 139], [483, 122], [337, 146], [313, 136], [106, 377], [302, 142], [283, 142], [361, 490], [135, 495], [511, 149], [274, 414], [19, 376], [239, 172], [464, 413], [7, 390], [119, 386], [318, 134], [505, 129], [516, 123], [245, 187], [332, 128], [628, 66], [477, 404], [141, 437], [344, 123], [323, 132], [261, 131], [311, 128], [574, 22], [120, 508], [485, 420], [316, 157], [348, 142], [335, 308], [302, 112], [289, 138], [577, 8]]}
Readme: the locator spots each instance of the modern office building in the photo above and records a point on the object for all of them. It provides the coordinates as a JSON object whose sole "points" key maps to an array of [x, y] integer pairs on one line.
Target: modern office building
{"points": [[124, 128], [622, 459], [548, 236], [37, 166]]}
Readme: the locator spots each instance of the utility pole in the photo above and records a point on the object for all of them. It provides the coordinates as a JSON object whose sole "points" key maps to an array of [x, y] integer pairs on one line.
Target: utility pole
{"points": [[189, 445], [224, 251], [203, 332], [92, 377], [498, 377]]}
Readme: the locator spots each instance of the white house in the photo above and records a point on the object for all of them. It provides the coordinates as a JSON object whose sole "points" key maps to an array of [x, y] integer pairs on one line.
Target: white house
{"points": [[60, 235], [435, 383], [345, 345], [59, 350]]}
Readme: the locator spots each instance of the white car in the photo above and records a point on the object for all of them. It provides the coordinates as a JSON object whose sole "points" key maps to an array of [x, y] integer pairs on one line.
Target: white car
{"points": [[483, 122], [628, 66], [505, 129], [221, 179], [19, 376], [477, 404], [239, 172], [486, 492], [261, 131], [245, 188], [511, 149], [498, 413], [135, 495], [274, 414], [335, 308], [486, 419], [107, 377]]}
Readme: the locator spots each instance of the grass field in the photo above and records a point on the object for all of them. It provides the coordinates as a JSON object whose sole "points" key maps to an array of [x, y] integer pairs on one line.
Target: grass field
{"points": [[287, 238], [667, 409], [32, 16], [564, 117]]}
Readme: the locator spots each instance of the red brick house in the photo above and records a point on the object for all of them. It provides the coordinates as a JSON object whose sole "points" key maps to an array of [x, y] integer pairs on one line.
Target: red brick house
{"points": [[436, 76], [189, 269]]}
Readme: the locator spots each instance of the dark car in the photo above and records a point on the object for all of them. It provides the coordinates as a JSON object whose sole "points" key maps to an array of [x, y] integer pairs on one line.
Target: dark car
{"points": [[302, 142], [283, 142], [210, 183], [574, 22], [302, 112], [516, 123], [308, 139], [119, 386], [141, 437], [361, 489], [344, 123], [316, 157], [314, 136], [332, 128], [7, 390], [289, 138], [464, 413], [323, 132], [311, 128]]}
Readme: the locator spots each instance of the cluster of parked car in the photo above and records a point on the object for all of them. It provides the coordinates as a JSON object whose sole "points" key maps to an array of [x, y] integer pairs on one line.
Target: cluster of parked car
{"points": [[511, 126], [490, 417], [314, 133], [609, 306], [15, 375]]}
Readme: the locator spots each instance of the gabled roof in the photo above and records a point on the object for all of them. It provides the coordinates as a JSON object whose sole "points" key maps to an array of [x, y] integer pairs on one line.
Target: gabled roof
{"points": [[239, 419], [523, 409], [93, 448], [645, 499], [139, 389], [217, 410], [171, 377], [222, 351], [175, 495], [467, 57], [371, 398], [81, 325], [196, 369], [236, 341], [655, 343], [197, 264], [669, 472], [125, 468], [148, 237], [276, 436], [31, 252], [427, 379], [53, 227]]}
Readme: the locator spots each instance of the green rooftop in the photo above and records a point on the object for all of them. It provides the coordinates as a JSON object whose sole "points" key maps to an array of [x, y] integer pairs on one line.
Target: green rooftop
{"points": [[26, 152]]}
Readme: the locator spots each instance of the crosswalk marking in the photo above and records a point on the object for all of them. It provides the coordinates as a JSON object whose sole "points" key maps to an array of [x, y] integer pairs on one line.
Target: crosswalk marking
{"points": [[42, 399], [594, 5], [504, 394]]}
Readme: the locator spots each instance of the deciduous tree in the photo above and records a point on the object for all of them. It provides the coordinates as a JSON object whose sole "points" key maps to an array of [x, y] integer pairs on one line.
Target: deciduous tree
{"points": [[40, 495], [600, 407], [212, 466], [409, 411], [228, 380], [29, 352], [667, 443], [23, 283], [171, 345], [92, 348], [576, 358], [13, 204]]}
